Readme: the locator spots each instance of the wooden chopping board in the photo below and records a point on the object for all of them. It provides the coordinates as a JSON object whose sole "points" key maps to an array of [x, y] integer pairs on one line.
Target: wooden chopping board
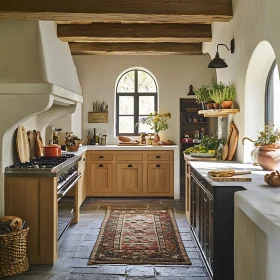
{"points": [[239, 177], [39, 146], [225, 149], [31, 134], [232, 142], [22, 145], [130, 144]]}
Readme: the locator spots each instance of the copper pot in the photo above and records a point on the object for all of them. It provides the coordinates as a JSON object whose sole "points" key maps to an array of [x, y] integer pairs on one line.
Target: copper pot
{"points": [[52, 151]]}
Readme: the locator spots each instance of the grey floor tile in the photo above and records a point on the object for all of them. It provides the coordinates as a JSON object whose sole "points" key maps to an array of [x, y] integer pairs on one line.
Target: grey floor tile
{"points": [[101, 269], [140, 270], [95, 277], [180, 271]]}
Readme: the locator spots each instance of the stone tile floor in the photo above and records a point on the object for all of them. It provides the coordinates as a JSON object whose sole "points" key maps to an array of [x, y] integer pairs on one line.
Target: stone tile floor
{"points": [[76, 247]]}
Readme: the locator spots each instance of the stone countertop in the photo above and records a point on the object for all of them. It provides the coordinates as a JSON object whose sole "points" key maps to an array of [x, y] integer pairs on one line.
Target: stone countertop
{"points": [[260, 202]]}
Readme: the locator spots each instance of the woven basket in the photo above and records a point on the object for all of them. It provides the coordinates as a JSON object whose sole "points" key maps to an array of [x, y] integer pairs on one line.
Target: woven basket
{"points": [[13, 259]]}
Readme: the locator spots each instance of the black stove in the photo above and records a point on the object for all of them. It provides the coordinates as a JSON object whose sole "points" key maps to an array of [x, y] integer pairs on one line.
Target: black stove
{"points": [[49, 166], [42, 162]]}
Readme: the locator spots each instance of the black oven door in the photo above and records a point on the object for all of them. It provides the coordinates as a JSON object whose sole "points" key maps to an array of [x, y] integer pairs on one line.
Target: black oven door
{"points": [[66, 206]]}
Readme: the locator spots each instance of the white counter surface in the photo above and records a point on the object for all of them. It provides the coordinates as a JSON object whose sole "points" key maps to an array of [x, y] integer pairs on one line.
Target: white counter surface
{"points": [[260, 202], [174, 148]]}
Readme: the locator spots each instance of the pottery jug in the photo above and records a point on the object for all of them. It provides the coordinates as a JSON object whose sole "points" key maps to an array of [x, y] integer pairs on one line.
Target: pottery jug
{"points": [[268, 158]]}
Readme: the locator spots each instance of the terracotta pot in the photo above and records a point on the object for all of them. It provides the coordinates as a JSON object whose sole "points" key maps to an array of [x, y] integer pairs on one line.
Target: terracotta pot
{"points": [[226, 104], [156, 138], [52, 151], [268, 158], [209, 106]]}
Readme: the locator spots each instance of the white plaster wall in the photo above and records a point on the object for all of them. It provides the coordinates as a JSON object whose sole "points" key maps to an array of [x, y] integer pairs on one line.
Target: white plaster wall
{"points": [[253, 22], [60, 69], [21, 53], [174, 74]]}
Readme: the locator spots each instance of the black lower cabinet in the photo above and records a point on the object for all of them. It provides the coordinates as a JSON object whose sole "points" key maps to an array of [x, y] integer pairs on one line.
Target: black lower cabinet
{"points": [[212, 224]]}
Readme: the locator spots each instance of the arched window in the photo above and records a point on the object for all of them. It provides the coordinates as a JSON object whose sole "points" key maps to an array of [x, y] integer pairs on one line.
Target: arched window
{"points": [[136, 97], [272, 96]]}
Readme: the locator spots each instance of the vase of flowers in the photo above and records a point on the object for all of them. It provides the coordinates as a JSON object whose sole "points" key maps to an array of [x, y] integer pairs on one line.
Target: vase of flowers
{"points": [[157, 122], [268, 155]]}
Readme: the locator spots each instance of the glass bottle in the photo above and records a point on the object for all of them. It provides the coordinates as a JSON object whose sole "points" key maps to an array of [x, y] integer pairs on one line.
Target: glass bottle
{"points": [[93, 137]]}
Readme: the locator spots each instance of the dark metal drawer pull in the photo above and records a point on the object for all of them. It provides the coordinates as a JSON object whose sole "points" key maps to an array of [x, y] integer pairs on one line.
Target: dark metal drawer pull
{"points": [[158, 156], [130, 165], [158, 165], [101, 165], [101, 157]]}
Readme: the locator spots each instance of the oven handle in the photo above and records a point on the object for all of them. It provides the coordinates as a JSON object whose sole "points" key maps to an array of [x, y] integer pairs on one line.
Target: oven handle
{"points": [[61, 194]]}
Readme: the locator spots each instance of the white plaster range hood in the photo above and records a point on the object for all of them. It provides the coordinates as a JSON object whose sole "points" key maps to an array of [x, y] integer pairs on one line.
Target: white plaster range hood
{"points": [[37, 78]]}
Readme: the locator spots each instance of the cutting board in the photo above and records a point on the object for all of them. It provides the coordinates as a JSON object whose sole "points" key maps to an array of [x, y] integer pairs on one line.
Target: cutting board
{"points": [[232, 142], [39, 146], [131, 144], [31, 134], [240, 177], [22, 144]]}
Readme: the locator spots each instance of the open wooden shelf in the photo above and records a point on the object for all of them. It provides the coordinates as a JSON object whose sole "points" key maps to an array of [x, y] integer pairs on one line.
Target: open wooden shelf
{"points": [[218, 112]]}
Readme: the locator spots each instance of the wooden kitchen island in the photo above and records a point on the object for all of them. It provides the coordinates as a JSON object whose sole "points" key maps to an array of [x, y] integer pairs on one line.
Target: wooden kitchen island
{"points": [[133, 171]]}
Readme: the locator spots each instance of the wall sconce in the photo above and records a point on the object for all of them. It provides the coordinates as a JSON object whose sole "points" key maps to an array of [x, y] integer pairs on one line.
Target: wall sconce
{"points": [[218, 62]]}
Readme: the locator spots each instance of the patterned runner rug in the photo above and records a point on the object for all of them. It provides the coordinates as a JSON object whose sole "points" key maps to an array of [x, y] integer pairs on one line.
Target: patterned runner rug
{"points": [[139, 236]]}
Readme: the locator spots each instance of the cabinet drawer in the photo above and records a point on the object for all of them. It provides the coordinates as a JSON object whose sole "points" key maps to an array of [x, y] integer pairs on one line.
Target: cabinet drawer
{"points": [[158, 156], [100, 157], [129, 157]]}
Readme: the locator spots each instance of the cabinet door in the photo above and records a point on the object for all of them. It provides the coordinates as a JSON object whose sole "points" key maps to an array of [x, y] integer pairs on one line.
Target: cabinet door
{"points": [[100, 178], [158, 178], [129, 177], [82, 186]]}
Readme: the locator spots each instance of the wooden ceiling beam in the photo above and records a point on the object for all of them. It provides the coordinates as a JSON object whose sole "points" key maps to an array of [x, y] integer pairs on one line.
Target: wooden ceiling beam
{"points": [[117, 32], [135, 48], [156, 11]]}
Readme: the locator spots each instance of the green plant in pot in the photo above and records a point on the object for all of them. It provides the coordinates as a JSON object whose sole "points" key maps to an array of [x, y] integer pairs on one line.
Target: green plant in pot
{"points": [[217, 97], [203, 95], [229, 95], [216, 92]]}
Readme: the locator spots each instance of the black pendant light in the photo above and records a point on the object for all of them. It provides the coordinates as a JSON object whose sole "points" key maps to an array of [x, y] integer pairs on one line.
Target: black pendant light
{"points": [[218, 62]]}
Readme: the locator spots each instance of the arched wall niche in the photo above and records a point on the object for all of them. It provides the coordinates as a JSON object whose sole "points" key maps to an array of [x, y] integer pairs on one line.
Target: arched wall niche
{"points": [[255, 85]]}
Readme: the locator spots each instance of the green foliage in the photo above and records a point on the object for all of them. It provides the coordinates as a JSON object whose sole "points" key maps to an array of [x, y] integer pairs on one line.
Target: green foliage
{"points": [[229, 93], [222, 92], [202, 94], [268, 135], [208, 144], [156, 121]]}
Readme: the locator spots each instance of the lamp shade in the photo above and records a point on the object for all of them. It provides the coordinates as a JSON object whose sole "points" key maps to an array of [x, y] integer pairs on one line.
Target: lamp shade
{"points": [[217, 62]]}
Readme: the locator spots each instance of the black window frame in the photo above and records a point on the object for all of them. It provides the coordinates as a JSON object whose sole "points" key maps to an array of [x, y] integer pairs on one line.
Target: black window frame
{"points": [[136, 94], [269, 94]]}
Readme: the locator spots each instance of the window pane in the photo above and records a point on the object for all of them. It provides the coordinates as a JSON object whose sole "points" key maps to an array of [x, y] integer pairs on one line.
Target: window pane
{"points": [[126, 104], [146, 105], [146, 82], [144, 127], [126, 124], [126, 83]]}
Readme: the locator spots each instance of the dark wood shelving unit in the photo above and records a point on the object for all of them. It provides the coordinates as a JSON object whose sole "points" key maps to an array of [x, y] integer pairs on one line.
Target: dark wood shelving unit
{"points": [[189, 108]]}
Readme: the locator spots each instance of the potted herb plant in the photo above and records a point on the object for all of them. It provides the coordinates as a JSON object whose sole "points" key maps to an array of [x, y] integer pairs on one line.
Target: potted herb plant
{"points": [[268, 155], [228, 95], [203, 95], [217, 96]]}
